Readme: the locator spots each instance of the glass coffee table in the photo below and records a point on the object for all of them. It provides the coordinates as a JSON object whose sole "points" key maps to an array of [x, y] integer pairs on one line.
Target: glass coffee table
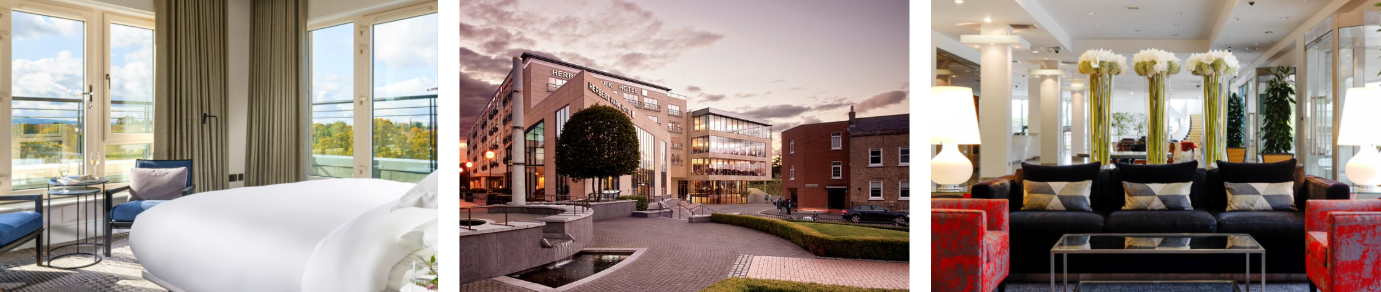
{"points": [[1156, 243]]}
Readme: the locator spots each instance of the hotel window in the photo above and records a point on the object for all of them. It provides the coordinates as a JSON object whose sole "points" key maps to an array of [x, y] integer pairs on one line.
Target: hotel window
{"points": [[904, 190], [654, 119], [650, 104], [874, 190], [673, 110], [792, 146], [875, 157], [401, 87], [632, 100], [837, 170], [675, 127], [81, 100], [554, 83], [904, 156], [836, 141], [793, 172], [562, 115]]}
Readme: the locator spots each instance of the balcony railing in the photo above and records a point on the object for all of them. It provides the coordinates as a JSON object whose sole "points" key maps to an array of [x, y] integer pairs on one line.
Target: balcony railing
{"points": [[634, 103], [677, 130], [674, 112], [651, 106], [416, 111], [553, 86]]}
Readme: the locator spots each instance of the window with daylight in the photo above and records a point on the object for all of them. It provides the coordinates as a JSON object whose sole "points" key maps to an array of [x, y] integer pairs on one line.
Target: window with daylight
{"points": [[562, 115], [793, 172], [904, 190], [397, 128], [650, 104], [875, 157], [791, 146], [874, 190], [673, 110], [333, 106], [836, 141], [554, 83], [837, 170], [904, 156]]}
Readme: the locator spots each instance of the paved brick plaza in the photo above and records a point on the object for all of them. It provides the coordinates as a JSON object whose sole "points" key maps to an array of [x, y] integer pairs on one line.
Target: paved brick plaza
{"points": [[682, 256], [871, 274]]}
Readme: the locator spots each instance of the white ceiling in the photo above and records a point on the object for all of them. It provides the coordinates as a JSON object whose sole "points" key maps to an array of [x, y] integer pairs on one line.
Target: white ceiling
{"points": [[1179, 26]]}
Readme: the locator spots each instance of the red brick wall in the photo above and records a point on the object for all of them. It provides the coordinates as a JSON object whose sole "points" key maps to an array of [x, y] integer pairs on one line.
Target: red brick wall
{"points": [[812, 161], [891, 173]]}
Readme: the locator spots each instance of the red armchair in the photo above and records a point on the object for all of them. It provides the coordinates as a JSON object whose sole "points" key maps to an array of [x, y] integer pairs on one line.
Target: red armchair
{"points": [[968, 245], [1343, 245]]}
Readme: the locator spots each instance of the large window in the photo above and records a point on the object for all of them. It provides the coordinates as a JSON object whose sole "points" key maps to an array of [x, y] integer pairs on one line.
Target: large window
{"points": [[730, 146], [904, 156], [874, 190], [47, 111], [836, 141], [719, 166], [875, 157], [714, 122], [333, 110], [404, 98]]}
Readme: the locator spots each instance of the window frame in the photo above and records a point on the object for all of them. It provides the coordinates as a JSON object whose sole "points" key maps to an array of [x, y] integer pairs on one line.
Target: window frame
{"points": [[904, 190], [836, 140], [793, 172], [836, 170], [904, 156], [879, 156], [792, 146], [876, 187]]}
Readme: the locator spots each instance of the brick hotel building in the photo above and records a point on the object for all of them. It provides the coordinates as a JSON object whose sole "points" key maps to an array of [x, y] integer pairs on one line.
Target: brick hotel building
{"points": [[707, 155], [838, 165]]}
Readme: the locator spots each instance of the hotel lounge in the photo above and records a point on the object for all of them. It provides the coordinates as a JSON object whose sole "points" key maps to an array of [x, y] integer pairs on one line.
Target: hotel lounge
{"points": [[1155, 146]]}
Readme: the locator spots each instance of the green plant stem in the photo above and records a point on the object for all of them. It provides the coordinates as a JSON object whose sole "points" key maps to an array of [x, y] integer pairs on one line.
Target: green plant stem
{"points": [[1156, 143], [1100, 110]]}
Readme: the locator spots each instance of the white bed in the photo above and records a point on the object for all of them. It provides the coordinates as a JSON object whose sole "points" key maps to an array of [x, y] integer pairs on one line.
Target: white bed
{"points": [[249, 239]]}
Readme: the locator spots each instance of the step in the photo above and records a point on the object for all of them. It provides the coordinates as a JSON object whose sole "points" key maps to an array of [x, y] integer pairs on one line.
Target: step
{"points": [[699, 219]]}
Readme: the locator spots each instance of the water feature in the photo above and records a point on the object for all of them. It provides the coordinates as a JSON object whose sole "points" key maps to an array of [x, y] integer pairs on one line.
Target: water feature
{"points": [[472, 222], [571, 269]]}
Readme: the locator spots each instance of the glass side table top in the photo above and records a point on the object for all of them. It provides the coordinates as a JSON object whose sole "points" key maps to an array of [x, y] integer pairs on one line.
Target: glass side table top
{"points": [[1157, 243], [92, 182]]}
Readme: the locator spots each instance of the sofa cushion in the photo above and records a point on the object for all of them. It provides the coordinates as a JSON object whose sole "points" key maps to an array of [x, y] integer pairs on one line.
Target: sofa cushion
{"points": [[18, 224], [1278, 196], [1235, 172], [1055, 222], [1162, 173], [1263, 224], [1161, 221], [1065, 173], [1157, 196], [1057, 196], [128, 211]]}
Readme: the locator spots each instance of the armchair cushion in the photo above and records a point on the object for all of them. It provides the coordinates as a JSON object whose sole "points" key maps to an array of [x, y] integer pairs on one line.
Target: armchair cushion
{"points": [[128, 211], [1316, 212], [141, 163], [157, 183], [18, 224], [1161, 221]]}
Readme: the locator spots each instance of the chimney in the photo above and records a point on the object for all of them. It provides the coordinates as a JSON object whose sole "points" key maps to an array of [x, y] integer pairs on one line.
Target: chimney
{"points": [[851, 115]]}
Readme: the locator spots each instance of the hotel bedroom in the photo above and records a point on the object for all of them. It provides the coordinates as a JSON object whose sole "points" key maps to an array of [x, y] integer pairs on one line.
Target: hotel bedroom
{"points": [[210, 145]]}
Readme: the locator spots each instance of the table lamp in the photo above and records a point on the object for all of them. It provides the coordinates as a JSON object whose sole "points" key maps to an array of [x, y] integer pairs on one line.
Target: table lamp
{"points": [[956, 122], [1355, 128]]}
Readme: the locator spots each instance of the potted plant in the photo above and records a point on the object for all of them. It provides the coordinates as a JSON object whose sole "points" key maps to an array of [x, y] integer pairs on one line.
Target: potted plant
{"points": [[1237, 150], [1276, 133]]}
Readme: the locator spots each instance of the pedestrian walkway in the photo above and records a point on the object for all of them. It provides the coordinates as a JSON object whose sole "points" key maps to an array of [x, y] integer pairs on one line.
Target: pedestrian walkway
{"points": [[857, 273]]}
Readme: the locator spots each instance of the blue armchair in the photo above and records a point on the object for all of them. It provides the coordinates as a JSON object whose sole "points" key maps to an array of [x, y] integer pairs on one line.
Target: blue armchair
{"points": [[122, 215], [18, 228]]}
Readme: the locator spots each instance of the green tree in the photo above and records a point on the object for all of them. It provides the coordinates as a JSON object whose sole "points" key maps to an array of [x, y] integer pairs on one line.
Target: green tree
{"points": [[1276, 134], [1236, 121], [597, 142]]}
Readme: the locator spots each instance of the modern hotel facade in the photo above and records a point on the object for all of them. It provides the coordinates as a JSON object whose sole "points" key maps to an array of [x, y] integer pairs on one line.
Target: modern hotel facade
{"points": [[838, 165], [707, 155]]}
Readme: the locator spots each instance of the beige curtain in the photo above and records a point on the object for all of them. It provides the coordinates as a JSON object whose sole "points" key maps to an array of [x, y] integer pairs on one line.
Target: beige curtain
{"points": [[191, 81], [279, 103]]}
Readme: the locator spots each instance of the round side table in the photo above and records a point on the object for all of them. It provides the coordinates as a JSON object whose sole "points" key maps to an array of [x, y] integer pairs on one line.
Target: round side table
{"points": [[87, 227]]}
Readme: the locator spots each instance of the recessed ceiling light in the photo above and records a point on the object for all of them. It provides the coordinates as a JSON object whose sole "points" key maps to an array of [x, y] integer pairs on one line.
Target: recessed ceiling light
{"points": [[1175, 34], [1090, 13], [1100, 34], [1284, 17], [1270, 32], [1179, 13], [958, 1], [987, 19], [1035, 52], [1133, 7], [1237, 18], [1097, 25], [1258, 44], [1177, 25], [975, 47]]}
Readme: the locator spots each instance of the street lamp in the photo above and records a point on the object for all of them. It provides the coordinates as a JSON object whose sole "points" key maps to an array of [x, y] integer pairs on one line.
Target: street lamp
{"points": [[488, 179]]}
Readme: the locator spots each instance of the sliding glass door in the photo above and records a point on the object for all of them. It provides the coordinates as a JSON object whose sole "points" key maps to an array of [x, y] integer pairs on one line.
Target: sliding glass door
{"points": [[49, 89], [374, 81]]}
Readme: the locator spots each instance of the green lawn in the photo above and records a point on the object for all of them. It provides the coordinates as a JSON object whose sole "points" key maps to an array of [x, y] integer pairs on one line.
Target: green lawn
{"points": [[840, 230]]}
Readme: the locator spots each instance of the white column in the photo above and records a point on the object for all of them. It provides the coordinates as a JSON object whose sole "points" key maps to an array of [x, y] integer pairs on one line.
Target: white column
{"points": [[1078, 127], [1050, 119], [519, 152], [995, 102]]}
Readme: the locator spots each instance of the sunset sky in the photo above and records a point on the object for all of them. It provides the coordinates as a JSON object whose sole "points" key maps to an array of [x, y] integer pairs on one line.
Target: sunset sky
{"points": [[789, 62]]}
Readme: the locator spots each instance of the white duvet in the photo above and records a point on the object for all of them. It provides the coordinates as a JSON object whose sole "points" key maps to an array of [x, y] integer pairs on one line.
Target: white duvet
{"points": [[250, 239]]}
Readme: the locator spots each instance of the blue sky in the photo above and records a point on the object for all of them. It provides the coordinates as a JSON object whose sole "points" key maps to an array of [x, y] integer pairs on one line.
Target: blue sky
{"points": [[48, 62], [405, 64]]}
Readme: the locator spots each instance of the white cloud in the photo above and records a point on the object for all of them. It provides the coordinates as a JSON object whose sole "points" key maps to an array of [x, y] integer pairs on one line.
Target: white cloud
{"points": [[330, 88], [415, 86], [406, 43], [48, 77], [33, 26], [122, 36]]}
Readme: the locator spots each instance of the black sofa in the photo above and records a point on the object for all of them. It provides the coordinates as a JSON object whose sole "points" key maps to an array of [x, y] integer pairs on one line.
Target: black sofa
{"points": [[1281, 233]]}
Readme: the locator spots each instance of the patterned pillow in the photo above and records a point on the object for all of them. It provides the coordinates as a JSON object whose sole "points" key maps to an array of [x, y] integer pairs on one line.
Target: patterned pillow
{"points": [[1173, 242], [1261, 196], [1056, 196], [1171, 196]]}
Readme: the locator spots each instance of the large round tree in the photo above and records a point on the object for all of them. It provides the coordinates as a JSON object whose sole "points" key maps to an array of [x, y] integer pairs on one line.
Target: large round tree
{"points": [[597, 142]]}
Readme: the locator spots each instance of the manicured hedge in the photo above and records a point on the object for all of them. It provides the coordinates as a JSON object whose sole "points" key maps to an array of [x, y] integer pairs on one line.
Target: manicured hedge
{"points": [[642, 201], [761, 285], [819, 244], [897, 228]]}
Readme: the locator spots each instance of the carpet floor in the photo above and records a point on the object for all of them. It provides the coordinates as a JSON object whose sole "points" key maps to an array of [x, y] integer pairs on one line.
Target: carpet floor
{"points": [[1045, 287], [118, 273]]}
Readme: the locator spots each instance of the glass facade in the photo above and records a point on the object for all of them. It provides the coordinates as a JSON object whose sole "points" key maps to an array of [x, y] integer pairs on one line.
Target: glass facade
{"points": [[536, 160], [731, 146], [718, 123], [720, 166], [644, 180], [718, 191]]}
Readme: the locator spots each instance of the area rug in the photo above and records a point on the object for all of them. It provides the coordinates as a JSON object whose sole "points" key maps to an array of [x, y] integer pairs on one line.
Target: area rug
{"points": [[120, 272], [1045, 287]]}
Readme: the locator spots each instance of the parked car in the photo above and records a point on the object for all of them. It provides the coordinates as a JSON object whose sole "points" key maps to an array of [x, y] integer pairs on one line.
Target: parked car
{"points": [[875, 213]]}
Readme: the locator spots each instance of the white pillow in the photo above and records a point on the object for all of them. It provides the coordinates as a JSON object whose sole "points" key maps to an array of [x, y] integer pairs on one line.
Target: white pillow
{"points": [[359, 254], [423, 195], [422, 236]]}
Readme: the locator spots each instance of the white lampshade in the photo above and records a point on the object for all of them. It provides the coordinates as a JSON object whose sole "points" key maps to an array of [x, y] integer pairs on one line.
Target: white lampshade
{"points": [[1361, 117], [953, 117]]}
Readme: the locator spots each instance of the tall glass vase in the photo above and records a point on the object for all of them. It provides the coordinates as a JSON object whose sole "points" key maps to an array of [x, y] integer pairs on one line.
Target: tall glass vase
{"points": [[1215, 121], [1156, 143], [1100, 117]]}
